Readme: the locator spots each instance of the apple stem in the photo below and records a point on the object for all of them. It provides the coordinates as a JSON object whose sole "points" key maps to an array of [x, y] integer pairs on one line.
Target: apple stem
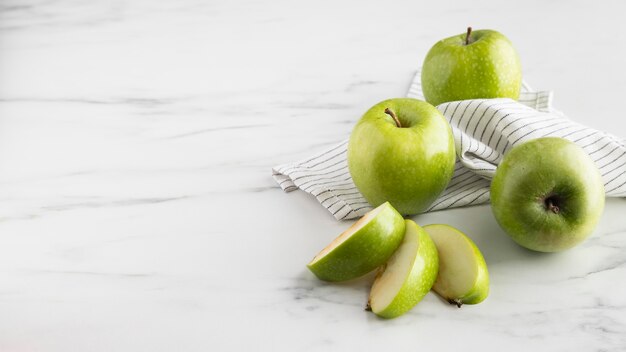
{"points": [[368, 308], [457, 302], [467, 37], [553, 208], [393, 116]]}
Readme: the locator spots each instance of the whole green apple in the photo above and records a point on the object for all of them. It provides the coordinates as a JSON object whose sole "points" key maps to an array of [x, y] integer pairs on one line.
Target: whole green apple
{"points": [[474, 65], [547, 194], [401, 151]]}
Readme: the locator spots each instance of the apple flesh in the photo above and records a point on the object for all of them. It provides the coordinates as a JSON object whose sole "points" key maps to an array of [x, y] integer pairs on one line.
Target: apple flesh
{"points": [[473, 65], [366, 245], [463, 277], [547, 194], [402, 151], [408, 275]]}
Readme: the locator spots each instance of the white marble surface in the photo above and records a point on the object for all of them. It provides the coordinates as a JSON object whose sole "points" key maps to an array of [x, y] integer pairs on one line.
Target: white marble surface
{"points": [[137, 208]]}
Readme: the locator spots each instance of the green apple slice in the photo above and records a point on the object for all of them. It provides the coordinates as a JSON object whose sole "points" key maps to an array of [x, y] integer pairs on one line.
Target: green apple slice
{"points": [[463, 276], [408, 275], [366, 245]]}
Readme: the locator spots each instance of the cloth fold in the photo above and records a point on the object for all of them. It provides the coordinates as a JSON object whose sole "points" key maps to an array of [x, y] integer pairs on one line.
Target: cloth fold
{"points": [[484, 130]]}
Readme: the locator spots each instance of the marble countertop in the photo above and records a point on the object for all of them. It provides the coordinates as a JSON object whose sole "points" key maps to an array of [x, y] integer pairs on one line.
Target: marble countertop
{"points": [[138, 208]]}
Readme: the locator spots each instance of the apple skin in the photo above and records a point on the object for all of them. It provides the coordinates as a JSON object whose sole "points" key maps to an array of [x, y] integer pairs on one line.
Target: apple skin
{"points": [[367, 249], [479, 290], [488, 67], [420, 279], [547, 194], [408, 166]]}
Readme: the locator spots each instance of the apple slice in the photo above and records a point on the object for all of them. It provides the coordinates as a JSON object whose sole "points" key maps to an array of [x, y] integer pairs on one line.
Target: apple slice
{"points": [[463, 276], [366, 245], [408, 275]]}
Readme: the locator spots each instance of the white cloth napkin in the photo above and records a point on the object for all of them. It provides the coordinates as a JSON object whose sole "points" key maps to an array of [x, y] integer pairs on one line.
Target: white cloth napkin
{"points": [[484, 129]]}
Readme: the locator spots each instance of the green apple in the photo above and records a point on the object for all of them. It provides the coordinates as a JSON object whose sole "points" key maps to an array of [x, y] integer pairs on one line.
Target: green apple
{"points": [[401, 151], [463, 277], [547, 194], [473, 65], [366, 245], [408, 275]]}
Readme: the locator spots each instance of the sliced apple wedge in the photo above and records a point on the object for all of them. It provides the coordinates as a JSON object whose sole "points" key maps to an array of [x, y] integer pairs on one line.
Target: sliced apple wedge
{"points": [[408, 275], [366, 245], [463, 277]]}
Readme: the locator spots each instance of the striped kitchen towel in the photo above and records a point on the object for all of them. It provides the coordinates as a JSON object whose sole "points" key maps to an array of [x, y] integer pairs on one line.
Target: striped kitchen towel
{"points": [[484, 129]]}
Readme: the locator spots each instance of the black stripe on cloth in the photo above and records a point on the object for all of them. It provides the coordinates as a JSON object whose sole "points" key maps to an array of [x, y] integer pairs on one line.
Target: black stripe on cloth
{"points": [[495, 128], [331, 196], [359, 208], [345, 186], [358, 203], [559, 130], [454, 193], [450, 195], [607, 154], [335, 202], [483, 169], [361, 200], [480, 195], [333, 192], [467, 195], [574, 132], [340, 209], [336, 159], [480, 119], [456, 176], [320, 193], [459, 197], [514, 120], [479, 141], [447, 105], [331, 178], [283, 181], [471, 138], [494, 148], [496, 111], [482, 135], [615, 168], [610, 161], [335, 188], [456, 108], [291, 188], [324, 171], [587, 136], [349, 193], [533, 131], [529, 125], [618, 186], [353, 198], [331, 182], [477, 162], [456, 181], [343, 151], [604, 146], [462, 116], [467, 126]]}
